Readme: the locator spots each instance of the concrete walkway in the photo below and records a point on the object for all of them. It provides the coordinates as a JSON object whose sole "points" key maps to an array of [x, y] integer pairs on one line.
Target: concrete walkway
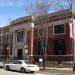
{"points": [[54, 68], [58, 71], [69, 69]]}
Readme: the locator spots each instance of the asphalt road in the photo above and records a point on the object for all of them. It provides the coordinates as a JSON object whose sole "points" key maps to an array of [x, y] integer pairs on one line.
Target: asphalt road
{"points": [[4, 72]]}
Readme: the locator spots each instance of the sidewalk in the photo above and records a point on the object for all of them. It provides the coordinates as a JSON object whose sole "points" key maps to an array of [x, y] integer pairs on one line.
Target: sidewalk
{"points": [[54, 70], [58, 68]]}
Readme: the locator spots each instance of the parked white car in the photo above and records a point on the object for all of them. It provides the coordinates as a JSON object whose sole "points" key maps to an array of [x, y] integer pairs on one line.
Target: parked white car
{"points": [[1, 64], [22, 66]]}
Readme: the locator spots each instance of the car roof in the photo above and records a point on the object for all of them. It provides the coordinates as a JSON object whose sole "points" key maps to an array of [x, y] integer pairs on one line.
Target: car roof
{"points": [[19, 60], [22, 60]]}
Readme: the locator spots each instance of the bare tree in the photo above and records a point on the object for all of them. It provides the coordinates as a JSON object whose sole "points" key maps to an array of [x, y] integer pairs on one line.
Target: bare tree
{"points": [[64, 4], [39, 11], [39, 8]]}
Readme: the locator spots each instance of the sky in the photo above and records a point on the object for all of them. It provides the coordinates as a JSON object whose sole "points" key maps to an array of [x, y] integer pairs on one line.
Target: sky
{"points": [[12, 9]]}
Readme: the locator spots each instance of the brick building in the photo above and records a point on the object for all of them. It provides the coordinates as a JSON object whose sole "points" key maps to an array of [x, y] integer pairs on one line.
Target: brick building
{"points": [[22, 33]]}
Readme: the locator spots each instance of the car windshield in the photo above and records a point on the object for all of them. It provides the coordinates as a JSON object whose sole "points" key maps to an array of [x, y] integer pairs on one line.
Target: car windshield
{"points": [[27, 62]]}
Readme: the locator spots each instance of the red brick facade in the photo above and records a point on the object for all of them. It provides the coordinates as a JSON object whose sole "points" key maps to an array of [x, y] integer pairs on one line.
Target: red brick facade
{"points": [[50, 50]]}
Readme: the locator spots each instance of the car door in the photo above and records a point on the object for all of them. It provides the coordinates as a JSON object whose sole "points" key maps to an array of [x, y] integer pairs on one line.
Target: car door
{"points": [[18, 66], [13, 65]]}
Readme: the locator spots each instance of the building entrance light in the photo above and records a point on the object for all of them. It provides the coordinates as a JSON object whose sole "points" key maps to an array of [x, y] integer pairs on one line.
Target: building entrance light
{"points": [[7, 48], [26, 49]]}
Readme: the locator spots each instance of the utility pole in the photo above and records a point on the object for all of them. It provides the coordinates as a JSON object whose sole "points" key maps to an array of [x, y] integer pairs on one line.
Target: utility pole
{"points": [[73, 39]]}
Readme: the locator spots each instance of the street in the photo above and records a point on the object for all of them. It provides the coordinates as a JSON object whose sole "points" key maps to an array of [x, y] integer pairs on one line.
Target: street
{"points": [[4, 72]]}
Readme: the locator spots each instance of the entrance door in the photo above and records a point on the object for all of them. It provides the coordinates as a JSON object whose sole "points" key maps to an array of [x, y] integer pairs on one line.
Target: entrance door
{"points": [[20, 54]]}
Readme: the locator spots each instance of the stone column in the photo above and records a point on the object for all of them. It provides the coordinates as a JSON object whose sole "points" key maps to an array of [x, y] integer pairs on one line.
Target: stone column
{"points": [[32, 38], [14, 44]]}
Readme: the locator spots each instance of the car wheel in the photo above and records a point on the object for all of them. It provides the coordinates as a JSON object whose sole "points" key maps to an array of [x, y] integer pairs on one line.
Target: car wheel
{"points": [[7, 68], [32, 72], [22, 70]]}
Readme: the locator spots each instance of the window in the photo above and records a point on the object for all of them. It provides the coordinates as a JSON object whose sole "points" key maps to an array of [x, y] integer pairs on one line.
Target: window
{"points": [[20, 36], [27, 62], [58, 29], [17, 62], [60, 47]]}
